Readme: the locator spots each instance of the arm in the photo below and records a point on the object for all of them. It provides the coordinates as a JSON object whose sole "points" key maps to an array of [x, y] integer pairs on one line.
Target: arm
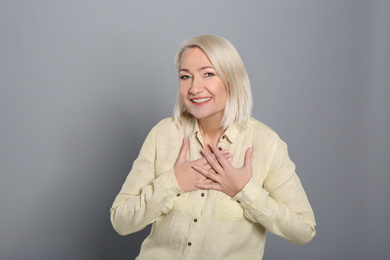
{"points": [[148, 194], [144, 195], [280, 205]]}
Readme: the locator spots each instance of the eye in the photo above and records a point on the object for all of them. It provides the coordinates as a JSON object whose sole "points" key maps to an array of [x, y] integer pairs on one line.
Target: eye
{"points": [[209, 74], [185, 77]]}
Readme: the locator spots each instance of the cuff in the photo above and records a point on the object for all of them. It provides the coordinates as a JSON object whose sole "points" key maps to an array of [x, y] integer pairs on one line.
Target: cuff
{"points": [[254, 198], [168, 188], [251, 192]]}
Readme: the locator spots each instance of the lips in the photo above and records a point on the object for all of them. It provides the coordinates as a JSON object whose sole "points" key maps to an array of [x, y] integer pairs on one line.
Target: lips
{"points": [[200, 100]]}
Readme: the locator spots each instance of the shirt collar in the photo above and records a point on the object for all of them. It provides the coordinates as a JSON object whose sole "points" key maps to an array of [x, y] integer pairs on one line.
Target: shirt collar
{"points": [[231, 132], [193, 127]]}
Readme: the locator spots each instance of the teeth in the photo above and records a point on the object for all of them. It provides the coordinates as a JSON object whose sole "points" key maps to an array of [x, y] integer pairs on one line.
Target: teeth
{"points": [[200, 100]]}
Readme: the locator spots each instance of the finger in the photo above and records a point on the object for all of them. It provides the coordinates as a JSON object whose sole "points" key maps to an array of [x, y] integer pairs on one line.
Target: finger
{"points": [[202, 162], [207, 167], [183, 151], [226, 154], [213, 161], [248, 158], [208, 174], [222, 161], [206, 186], [206, 181]]}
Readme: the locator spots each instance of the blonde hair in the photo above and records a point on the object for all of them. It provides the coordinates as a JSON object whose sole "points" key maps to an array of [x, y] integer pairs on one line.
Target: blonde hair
{"points": [[230, 68]]}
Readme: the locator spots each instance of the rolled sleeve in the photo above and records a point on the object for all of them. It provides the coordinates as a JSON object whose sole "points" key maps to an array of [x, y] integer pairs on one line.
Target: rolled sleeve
{"points": [[167, 190]]}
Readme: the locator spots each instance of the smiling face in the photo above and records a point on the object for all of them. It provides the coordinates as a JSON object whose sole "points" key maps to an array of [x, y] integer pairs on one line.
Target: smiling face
{"points": [[201, 89]]}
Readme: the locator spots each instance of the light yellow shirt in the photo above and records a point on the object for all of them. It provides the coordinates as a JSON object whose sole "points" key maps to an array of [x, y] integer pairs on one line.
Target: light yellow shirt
{"points": [[208, 224]]}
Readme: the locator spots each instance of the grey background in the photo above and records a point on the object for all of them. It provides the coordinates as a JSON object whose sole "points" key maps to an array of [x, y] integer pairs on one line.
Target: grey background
{"points": [[82, 83]]}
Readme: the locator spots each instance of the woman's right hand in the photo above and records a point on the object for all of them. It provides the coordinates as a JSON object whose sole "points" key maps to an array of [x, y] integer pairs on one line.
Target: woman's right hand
{"points": [[186, 176]]}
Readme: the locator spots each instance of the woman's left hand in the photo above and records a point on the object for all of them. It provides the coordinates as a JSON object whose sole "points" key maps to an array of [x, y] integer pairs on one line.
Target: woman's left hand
{"points": [[226, 178]]}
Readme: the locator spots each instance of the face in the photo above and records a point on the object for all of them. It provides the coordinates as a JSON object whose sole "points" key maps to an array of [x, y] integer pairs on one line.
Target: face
{"points": [[201, 89]]}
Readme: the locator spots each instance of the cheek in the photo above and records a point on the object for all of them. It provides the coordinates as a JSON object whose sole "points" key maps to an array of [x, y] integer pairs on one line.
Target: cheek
{"points": [[183, 94], [223, 94]]}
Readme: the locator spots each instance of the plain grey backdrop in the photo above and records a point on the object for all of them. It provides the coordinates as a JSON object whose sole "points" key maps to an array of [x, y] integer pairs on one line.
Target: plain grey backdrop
{"points": [[82, 83]]}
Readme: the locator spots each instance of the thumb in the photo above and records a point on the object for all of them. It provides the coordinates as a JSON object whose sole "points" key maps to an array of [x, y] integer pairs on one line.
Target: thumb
{"points": [[183, 151], [248, 158]]}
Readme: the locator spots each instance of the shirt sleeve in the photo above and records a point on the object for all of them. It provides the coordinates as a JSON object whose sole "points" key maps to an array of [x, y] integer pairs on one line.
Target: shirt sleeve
{"points": [[279, 204], [144, 195]]}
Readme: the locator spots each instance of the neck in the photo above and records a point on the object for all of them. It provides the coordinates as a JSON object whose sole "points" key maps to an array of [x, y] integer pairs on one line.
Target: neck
{"points": [[211, 131]]}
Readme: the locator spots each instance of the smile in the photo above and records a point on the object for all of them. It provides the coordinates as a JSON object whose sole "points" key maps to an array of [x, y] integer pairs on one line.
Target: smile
{"points": [[200, 100]]}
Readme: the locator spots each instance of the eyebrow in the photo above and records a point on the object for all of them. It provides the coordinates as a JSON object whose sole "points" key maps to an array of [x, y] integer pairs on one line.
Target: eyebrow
{"points": [[200, 69]]}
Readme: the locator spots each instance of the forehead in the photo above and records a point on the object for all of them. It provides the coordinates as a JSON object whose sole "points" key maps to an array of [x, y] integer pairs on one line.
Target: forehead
{"points": [[194, 58]]}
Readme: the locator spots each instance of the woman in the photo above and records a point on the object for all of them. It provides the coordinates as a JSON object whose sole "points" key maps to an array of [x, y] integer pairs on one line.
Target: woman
{"points": [[203, 202]]}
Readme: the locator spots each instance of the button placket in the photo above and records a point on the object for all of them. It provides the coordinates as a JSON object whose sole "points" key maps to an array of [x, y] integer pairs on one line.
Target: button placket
{"points": [[221, 142], [199, 206], [200, 196]]}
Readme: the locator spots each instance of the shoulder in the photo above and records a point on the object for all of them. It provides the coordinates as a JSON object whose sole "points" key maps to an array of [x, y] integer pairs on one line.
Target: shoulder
{"points": [[259, 128], [262, 135], [265, 135], [167, 128], [165, 124]]}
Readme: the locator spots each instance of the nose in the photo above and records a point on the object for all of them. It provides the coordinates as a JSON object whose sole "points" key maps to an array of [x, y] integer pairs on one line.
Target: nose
{"points": [[196, 86]]}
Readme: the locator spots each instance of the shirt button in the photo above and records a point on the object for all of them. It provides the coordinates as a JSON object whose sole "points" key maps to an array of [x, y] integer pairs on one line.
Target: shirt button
{"points": [[189, 243], [224, 136], [195, 220], [220, 148], [178, 195], [202, 194], [238, 201]]}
